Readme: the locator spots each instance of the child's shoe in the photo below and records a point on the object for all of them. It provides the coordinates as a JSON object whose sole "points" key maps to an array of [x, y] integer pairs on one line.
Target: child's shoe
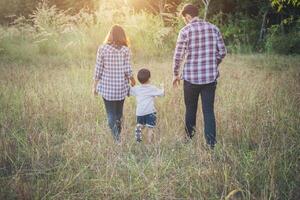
{"points": [[138, 133]]}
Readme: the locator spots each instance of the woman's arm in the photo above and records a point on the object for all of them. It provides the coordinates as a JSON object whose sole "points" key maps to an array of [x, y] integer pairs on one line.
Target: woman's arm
{"points": [[128, 68], [98, 70]]}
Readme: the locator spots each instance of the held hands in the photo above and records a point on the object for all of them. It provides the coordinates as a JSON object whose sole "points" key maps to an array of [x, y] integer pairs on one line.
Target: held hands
{"points": [[132, 82], [176, 81]]}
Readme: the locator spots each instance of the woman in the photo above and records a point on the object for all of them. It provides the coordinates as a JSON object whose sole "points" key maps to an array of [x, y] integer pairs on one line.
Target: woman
{"points": [[112, 75]]}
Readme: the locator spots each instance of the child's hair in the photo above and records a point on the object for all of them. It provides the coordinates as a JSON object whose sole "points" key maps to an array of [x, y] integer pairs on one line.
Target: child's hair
{"points": [[116, 36], [143, 75]]}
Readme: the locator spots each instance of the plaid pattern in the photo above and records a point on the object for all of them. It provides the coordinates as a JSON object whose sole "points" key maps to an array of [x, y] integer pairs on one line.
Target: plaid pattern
{"points": [[201, 44], [113, 70]]}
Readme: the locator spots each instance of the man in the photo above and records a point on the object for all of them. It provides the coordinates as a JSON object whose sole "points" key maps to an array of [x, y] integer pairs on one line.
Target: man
{"points": [[201, 45]]}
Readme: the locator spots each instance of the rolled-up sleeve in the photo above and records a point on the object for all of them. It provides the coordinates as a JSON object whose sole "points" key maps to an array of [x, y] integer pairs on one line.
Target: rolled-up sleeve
{"points": [[180, 50], [157, 92], [132, 91], [221, 49], [99, 64], [128, 68]]}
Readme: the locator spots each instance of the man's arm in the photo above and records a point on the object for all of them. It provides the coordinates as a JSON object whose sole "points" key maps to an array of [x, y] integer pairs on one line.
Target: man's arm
{"points": [[221, 49], [180, 50]]}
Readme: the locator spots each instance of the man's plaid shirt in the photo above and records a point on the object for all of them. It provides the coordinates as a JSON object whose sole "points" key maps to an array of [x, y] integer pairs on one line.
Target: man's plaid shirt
{"points": [[113, 70], [201, 44]]}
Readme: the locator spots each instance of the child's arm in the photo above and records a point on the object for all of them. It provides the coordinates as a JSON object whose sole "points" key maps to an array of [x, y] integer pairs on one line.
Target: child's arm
{"points": [[158, 92], [132, 91], [128, 68]]}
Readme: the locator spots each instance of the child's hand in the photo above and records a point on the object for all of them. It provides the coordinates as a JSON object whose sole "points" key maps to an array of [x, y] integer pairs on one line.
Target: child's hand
{"points": [[162, 86]]}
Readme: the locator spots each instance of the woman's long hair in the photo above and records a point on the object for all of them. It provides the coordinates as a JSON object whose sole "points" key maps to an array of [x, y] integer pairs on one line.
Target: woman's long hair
{"points": [[117, 37]]}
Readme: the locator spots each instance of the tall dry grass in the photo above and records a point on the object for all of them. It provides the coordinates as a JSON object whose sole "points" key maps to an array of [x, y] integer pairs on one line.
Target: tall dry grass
{"points": [[55, 143]]}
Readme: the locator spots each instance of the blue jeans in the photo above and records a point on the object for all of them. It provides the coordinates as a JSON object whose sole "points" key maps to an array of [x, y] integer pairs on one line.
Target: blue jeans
{"points": [[191, 97], [114, 111]]}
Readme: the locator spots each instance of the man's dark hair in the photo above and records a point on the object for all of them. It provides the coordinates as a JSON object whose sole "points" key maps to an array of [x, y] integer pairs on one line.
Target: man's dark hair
{"points": [[143, 75], [190, 10]]}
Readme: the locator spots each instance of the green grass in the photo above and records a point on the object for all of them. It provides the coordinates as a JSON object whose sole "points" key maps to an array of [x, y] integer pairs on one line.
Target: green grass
{"points": [[55, 143]]}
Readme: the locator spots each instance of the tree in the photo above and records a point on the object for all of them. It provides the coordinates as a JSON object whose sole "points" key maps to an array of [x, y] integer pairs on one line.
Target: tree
{"points": [[11, 9], [206, 6], [156, 7], [281, 3]]}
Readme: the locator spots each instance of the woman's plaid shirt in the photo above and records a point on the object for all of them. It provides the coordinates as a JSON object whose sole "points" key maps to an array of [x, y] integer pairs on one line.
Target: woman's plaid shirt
{"points": [[201, 44], [113, 70]]}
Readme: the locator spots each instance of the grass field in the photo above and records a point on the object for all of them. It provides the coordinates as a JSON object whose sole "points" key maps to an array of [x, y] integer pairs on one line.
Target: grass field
{"points": [[55, 143]]}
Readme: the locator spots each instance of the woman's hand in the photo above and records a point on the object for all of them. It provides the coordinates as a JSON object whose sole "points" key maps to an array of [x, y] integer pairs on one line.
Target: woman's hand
{"points": [[94, 88], [132, 82], [94, 91]]}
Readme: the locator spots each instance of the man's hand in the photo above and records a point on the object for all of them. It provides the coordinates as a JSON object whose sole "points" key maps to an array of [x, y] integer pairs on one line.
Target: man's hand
{"points": [[219, 61], [176, 81]]}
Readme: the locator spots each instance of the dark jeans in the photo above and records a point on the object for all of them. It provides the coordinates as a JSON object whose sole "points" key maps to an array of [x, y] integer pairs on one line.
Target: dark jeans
{"points": [[191, 97], [114, 111]]}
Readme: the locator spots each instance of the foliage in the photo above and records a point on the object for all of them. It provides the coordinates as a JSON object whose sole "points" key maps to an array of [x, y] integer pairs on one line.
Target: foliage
{"points": [[50, 31], [283, 43], [239, 32], [281, 3], [12, 9], [78, 24]]}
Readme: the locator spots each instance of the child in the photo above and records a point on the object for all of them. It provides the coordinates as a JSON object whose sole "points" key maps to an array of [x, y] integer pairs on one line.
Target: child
{"points": [[145, 111]]}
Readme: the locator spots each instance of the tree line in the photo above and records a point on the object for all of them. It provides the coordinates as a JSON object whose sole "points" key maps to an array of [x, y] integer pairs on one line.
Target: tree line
{"points": [[247, 25]]}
